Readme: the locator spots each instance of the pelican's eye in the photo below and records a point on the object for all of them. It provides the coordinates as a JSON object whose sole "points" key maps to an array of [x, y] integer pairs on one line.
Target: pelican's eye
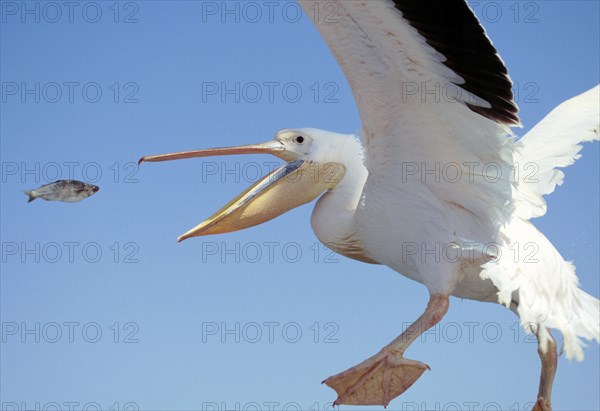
{"points": [[299, 139]]}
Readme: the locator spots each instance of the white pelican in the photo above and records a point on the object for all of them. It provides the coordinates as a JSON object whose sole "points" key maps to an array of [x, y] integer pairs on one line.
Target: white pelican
{"points": [[384, 201]]}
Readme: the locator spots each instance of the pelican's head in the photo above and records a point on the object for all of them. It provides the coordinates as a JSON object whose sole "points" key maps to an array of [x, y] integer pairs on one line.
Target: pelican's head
{"points": [[315, 164]]}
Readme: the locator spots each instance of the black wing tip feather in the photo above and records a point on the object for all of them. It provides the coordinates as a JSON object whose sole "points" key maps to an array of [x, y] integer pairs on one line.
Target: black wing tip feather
{"points": [[452, 29]]}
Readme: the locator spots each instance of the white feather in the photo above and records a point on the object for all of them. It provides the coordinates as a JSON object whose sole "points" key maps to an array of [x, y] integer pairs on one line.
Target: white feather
{"points": [[554, 142], [531, 270]]}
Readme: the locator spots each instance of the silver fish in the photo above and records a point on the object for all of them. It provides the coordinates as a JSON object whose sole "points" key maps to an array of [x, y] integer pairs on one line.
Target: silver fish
{"points": [[69, 191]]}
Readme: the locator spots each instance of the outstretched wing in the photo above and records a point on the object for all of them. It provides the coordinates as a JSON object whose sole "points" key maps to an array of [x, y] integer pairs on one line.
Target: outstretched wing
{"points": [[434, 98], [552, 144]]}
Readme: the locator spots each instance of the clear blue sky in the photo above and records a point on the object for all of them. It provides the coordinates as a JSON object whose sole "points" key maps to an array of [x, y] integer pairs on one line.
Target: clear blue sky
{"points": [[111, 263]]}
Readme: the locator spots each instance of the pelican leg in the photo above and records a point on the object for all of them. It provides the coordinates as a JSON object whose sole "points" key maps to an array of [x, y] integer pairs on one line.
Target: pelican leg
{"points": [[384, 376], [549, 363]]}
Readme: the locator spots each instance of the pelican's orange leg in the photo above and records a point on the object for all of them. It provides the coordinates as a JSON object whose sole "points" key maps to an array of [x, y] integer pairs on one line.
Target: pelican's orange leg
{"points": [[387, 374]]}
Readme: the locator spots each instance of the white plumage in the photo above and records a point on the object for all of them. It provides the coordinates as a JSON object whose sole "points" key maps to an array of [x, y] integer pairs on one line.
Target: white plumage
{"points": [[554, 143], [544, 284]]}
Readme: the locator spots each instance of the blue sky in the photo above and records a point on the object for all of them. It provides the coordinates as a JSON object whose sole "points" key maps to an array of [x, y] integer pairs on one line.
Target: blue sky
{"points": [[101, 307]]}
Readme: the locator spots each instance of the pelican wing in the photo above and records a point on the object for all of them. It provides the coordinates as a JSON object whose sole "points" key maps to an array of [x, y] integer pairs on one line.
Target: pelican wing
{"points": [[434, 98], [555, 142]]}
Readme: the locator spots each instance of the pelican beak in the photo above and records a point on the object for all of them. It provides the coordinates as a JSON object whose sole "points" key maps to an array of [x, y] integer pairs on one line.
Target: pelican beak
{"points": [[295, 183], [269, 147]]}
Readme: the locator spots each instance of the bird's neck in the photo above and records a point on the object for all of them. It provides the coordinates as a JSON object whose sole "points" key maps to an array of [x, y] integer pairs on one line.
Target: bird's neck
{"points": [[333, 218]]}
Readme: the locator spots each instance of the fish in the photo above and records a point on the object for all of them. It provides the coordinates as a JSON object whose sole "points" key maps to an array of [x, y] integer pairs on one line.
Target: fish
{"points": [[69, 191]]}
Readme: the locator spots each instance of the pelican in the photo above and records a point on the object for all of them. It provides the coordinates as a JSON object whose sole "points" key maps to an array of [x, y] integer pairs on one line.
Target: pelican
{"points": [[381, 198]]}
